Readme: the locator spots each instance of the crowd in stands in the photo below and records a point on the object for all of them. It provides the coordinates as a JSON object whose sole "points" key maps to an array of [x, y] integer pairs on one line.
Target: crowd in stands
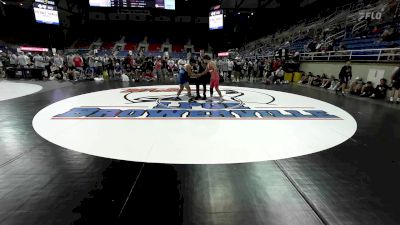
{"points": [[322, 37], [263, 70], [87, 67], [76, 67]]}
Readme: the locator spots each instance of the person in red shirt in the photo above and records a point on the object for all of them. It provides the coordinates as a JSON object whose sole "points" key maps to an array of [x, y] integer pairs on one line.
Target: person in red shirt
{"points": [[157, 68], [376, 30], [78, 61], [78, 64]]}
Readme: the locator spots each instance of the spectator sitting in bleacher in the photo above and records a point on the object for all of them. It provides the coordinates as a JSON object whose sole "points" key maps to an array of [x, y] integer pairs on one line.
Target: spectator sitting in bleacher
{"points": [[304, 78], [387, 34], [367, 90], [326, 83], [312, 46], [342, 47], [129, 71], [380, 90], [279, 75], [356, 86], [334, 84], [117, 71], [376, 30], [317, 81], [311, 78]]}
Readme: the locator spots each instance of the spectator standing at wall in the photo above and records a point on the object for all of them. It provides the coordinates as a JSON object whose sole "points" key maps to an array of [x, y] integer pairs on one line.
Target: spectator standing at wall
{"points": [[344, 76], [164, 67], [58, 67], [38, 61], [13, 60], [110, 66], [230, 69], [237, 68], [261, 66], [255, 69], [98, 62], [158, 68], [47, 63], [250, 68], [23, 62], [395, 87], [245, 69]]}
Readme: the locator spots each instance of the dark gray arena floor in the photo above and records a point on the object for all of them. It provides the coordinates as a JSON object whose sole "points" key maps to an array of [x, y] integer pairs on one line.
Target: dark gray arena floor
{"points": [[353, 183]]}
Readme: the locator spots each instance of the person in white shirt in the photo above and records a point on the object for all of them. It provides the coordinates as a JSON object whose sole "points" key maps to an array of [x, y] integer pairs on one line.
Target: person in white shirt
{"points": [[58, 61], [47, 63], [70, 61], [58, 67], [230, 68], [181, 63], [99, 65], [90, 70], [13, 60], [23, 62], [38, 61]]}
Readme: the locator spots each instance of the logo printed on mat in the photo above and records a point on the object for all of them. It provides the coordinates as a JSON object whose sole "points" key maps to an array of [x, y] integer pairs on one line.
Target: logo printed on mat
{"points": [[147, 124], [160, 103]]}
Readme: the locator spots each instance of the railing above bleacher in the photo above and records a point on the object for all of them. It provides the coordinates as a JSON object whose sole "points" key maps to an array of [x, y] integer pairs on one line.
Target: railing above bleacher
{"points": [[367, 55]]}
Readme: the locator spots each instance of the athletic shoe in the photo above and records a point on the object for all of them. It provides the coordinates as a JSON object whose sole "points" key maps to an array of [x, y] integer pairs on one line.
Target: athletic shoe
{"points": [[197, 98], [204, 98]]}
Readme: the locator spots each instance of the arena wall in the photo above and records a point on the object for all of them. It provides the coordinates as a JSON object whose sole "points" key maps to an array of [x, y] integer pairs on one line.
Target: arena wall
{"points": [[360, 69]]}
